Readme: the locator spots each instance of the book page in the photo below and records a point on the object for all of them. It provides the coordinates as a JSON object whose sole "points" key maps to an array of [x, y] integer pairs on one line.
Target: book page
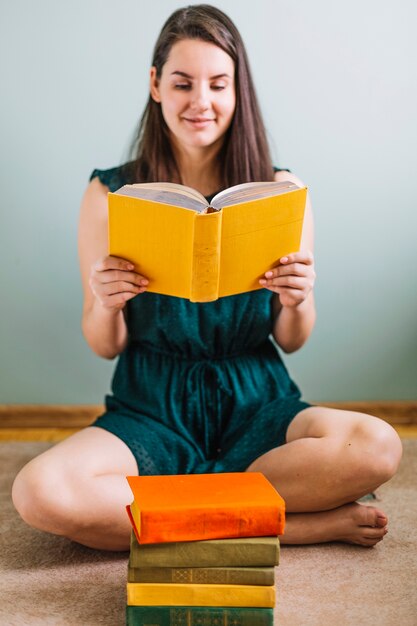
{"points": [[251, 191], [167, 193]]}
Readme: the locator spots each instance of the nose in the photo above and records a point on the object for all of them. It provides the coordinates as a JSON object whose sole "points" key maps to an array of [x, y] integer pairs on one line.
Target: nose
{"points": [[200, 98]]}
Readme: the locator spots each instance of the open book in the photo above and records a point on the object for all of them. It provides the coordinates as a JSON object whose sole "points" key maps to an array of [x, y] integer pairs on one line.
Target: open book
{"points": [[191, 249]]}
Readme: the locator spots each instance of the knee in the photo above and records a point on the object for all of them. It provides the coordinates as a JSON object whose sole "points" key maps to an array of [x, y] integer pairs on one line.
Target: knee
{"points": [[42, 499], [381, 451]]}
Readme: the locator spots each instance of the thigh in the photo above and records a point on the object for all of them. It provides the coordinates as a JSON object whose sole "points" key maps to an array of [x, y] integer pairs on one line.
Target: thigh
{"points": [[91, 452], [319, 421]]}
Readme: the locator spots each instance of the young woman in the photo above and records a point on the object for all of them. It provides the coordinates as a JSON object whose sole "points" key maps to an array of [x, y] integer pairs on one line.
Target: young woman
{"points": [[200, 387]]}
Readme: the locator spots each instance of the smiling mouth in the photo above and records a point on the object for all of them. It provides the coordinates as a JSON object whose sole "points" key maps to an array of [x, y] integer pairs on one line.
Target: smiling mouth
{"points": [[198, 120]]}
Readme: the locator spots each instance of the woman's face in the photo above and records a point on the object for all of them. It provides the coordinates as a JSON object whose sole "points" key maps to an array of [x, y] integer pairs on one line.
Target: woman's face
{"points": [[197, 92]]}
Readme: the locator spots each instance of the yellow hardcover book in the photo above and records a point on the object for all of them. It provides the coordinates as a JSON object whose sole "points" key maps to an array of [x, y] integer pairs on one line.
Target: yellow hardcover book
{"points": [[162, 594], [191, 249]]}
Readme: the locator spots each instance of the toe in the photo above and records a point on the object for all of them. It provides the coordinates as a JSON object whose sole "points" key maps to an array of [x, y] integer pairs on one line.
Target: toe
{"points": [[373, 533], [381, 520], [369, 542], [372, 517]]}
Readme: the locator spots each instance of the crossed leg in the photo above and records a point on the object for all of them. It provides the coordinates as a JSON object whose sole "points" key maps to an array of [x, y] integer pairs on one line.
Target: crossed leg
{"points": [[78, 488], [331, 459]]}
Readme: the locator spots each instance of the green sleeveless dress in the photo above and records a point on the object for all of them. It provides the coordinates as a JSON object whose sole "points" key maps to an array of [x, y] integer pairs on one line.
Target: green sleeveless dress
{"points": [[200, 387]]}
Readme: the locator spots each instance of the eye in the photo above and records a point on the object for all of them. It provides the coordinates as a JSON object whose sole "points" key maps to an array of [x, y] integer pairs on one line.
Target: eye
{"points": [[218, 87], [182, 86]]}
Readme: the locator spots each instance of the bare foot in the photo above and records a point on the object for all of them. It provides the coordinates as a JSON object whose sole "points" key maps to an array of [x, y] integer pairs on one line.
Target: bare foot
{"points": [[350, 523]]}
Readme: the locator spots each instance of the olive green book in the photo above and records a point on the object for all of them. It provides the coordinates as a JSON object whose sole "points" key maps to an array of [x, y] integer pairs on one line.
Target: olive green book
{"points": [[203, 575], [198, 616], [237, 552]]}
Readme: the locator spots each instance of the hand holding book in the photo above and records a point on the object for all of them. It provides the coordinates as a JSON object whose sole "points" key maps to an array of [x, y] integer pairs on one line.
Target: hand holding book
{"points": [[293, 279], [113, 281]]}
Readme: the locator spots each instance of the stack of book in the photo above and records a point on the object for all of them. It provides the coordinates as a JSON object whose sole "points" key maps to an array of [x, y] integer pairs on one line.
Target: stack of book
{"points": [[203, 550]]}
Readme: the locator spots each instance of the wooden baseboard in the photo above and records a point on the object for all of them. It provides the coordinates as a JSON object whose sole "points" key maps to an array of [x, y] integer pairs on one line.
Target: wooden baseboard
{"points": [[396, 412], [48, 415]]}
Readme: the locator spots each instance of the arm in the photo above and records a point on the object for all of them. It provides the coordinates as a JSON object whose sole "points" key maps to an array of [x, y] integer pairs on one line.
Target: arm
{"points": [[292, 281], [108, 282]]}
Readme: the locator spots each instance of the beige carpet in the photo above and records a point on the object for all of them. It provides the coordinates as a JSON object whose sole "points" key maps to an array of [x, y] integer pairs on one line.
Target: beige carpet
{"points": [[46, 580]]}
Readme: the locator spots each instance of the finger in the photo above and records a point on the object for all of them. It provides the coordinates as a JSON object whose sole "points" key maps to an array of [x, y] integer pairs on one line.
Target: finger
{"points": [[121, 286], [288, 296], [290, 291], [303, 256], [118, 299], [294, 282], [111, 276], [298, 269], [112, 263]]}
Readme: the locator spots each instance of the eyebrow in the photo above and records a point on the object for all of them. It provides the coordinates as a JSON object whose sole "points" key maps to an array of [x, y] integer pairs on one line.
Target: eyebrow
{"points": [[185, 75]]}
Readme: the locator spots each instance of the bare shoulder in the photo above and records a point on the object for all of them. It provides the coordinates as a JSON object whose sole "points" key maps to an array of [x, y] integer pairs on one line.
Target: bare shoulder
{"points": [[282, 175], [94, 201]]}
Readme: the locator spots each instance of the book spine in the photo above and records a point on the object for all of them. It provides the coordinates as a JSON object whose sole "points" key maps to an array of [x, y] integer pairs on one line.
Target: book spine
{"points": [[194, 616], [243, 553], [202, 524], [156, 594], [206, 257], [203, 575]]}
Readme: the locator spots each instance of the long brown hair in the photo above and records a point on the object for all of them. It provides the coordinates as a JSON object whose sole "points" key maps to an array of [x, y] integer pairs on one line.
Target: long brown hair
{"points": [[244, 156]]}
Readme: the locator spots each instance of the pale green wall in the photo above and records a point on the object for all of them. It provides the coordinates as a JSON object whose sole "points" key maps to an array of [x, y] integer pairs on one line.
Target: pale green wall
{"points": [[338, 90]]}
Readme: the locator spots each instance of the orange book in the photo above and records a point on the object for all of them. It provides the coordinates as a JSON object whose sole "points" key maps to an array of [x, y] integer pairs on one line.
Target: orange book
{"points": [[191, 507]]}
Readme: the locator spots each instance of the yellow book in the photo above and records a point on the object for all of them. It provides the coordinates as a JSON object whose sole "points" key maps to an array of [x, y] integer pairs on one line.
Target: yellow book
{"points": [[191, 249], [166, 594]]}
